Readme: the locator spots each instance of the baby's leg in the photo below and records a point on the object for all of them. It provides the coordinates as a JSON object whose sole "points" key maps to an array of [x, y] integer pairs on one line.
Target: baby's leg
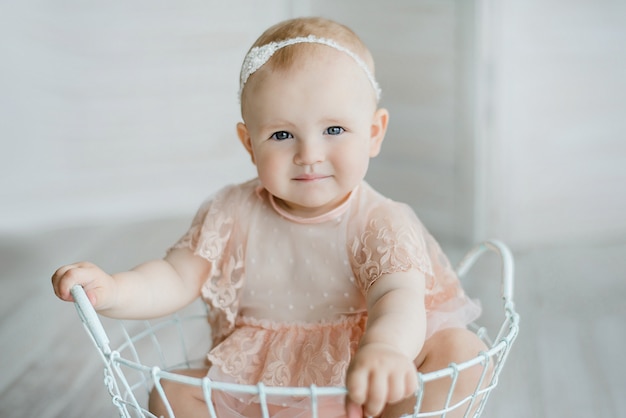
{"points": [[452, 345], [185, 400]]}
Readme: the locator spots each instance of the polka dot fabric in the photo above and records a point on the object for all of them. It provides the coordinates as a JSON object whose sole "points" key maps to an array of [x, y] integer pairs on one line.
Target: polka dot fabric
{"points": [[287, 294]]}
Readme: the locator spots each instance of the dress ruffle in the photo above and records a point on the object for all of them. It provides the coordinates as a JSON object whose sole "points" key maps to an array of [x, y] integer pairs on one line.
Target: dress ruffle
{"points": [[295, 354], [236, 405], [289, 354]]}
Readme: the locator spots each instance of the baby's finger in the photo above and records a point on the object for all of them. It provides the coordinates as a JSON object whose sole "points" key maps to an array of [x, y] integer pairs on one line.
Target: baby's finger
{"points": [[357, 383], [66, 277], [402, 386], [57, 281], [376, 394], [411, 383], [397, 389]]}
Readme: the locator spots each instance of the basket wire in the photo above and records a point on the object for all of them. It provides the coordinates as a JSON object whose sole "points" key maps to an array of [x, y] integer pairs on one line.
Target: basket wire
{"points": [[145, 358]]}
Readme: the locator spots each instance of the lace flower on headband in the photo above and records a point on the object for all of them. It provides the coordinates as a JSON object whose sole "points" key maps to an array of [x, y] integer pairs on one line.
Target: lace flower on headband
{"points": [[259, 55]]}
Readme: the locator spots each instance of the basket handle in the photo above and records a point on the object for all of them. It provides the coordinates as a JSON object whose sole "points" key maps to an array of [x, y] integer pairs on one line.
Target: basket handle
{"points": [[90, 319], [506, 258]]}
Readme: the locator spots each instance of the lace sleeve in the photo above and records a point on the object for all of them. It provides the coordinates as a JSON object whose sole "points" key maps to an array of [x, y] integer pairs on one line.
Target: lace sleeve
{"points": [[391, 240], [210, 229], [210, 237]]}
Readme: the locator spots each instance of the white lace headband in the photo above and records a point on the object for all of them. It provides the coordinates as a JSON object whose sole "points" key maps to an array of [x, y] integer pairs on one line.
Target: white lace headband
{"points": [[259, 55]]}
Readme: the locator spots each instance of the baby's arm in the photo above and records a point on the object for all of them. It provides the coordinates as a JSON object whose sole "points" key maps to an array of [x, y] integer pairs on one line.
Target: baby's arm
{"points": [[382, 370], [152, 289]]}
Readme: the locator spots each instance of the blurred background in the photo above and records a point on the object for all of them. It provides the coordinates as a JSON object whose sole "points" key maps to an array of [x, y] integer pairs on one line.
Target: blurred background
{"points": [[508, 120], [507, 116]]}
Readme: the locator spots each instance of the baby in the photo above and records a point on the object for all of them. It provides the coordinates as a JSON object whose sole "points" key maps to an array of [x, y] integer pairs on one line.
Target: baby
{"points": [[311, 276]]}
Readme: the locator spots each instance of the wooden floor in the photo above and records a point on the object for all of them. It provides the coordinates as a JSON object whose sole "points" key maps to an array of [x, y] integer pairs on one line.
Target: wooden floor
{"points": [[569, 360]]}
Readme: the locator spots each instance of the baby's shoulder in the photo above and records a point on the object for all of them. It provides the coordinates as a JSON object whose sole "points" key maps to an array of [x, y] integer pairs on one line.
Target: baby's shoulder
{"points": [[233, 196], [374, 208], [230, 203]]}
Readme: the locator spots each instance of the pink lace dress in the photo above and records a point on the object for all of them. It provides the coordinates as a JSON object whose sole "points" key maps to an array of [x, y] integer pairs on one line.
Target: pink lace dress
{"points": [[287, 294]]}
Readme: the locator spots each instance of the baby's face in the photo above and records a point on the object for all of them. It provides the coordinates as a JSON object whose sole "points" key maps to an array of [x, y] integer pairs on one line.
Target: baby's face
{"points": [[311, 130]]}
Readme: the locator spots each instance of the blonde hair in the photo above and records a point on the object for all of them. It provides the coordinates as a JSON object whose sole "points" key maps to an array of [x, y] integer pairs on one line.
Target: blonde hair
{"points": [[319, 27]]}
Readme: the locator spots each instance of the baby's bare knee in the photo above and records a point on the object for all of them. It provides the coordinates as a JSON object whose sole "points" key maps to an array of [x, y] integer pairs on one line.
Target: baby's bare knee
{"points": [[156, 404], [184, 399], [169, 393], [459, 344], [453, 345]]}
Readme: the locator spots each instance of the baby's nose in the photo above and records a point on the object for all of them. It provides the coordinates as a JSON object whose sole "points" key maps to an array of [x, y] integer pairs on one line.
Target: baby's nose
{"points": [[309, 152]]}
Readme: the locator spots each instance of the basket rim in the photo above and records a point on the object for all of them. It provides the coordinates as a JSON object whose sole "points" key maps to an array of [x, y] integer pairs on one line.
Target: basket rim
{"points": [[498, 348]]}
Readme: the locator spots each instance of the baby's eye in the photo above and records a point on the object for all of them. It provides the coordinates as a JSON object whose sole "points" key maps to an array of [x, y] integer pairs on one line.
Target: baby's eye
{"points": [[334, 130], [281, 135]]}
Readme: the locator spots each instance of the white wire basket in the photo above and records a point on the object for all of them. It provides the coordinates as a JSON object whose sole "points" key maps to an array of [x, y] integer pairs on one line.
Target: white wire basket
{"points": [[147, 352]]}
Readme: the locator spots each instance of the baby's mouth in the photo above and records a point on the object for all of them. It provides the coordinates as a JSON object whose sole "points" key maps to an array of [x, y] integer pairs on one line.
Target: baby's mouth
{"points": [[310, 177]]}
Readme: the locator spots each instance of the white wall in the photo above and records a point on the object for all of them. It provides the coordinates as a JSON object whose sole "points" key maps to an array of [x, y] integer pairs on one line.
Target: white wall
{"points": [[120, 109], [507, 117], [126, 109], [552, 122]]}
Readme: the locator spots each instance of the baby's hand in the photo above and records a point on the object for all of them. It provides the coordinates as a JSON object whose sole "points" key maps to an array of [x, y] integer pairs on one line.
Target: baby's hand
{"points": [[378, 375], [99, 286]]}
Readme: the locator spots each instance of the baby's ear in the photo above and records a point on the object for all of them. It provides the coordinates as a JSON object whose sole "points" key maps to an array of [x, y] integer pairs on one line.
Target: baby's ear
{"points": [[379, 128], [244, 137]]}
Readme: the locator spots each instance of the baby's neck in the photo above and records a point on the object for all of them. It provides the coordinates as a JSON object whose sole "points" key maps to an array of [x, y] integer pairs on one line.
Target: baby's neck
{"points": [[304, 217]]}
